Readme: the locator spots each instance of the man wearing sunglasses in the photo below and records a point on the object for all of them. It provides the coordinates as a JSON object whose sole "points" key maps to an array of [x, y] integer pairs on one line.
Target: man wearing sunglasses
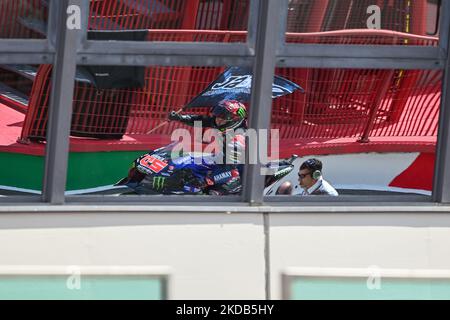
{"points": [[311, 180]]}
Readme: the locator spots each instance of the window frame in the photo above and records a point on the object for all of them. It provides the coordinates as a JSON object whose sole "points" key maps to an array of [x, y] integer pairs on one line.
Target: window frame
{"points": [[264, 50]]}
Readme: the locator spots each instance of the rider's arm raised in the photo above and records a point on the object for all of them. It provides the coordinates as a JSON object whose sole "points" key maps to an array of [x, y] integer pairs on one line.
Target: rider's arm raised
{"points": [[189, 119]]}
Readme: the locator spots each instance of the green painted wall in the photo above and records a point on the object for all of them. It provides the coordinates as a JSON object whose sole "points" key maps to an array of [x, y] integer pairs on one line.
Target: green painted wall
{"points": [[309, 288], [90, 170], [85, 169], [21, 170], [91, 287]]}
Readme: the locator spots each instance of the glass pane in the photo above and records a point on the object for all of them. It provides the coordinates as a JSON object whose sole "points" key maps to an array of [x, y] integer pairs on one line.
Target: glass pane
{"points": [[24, 101], [353, 288], [121, 130], [23, 19], [374, 131], [87, 287], [397, 22], [169, 20]]}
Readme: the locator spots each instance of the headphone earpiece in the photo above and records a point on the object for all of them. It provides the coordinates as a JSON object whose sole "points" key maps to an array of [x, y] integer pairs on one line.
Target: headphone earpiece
{"points": [[316, 175]]}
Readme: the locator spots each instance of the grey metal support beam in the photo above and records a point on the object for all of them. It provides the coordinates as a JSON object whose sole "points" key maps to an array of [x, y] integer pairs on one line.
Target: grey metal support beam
{"points": [[25, 58], [261, 101], [444, 25], [164, 53], [85, 16], [360, 63], [362, 51], [252, 25], [441, 187], [175, 200], [52, 24], [267, 271], [129, 48], [345, 200], [60, 110], [14, 200], [30, 51], [163, 60], [15, 46], [283, 12]]}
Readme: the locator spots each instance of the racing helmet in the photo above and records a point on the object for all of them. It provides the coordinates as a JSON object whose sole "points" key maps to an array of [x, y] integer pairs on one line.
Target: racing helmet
{"points": [[229, 115]]}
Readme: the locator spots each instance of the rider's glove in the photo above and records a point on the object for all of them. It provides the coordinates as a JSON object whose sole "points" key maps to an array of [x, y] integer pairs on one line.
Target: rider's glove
{"points": [[174, 116], [233, 186]]}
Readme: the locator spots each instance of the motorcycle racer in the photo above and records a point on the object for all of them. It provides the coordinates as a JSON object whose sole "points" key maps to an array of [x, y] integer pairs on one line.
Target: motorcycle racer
{"points": [[228, 116]]}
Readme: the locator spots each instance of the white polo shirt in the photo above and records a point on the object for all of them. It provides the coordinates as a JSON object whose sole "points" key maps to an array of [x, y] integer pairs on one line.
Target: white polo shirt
{"points": [[321, 187]]}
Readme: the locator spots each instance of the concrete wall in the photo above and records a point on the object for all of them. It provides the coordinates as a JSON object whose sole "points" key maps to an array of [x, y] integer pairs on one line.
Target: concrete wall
{"points": [[215, 255], [212, 256], [366, 241]]}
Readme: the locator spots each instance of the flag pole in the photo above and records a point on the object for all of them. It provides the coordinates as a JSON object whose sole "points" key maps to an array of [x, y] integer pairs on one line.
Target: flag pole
{"points": [[162, 123]]}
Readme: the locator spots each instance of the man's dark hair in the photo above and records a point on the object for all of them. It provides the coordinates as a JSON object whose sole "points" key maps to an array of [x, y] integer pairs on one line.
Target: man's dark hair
{"points": [[312, 165]]}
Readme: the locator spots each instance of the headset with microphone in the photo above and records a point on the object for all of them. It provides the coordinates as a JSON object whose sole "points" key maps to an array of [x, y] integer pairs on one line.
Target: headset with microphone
{"points": [[311, 163], [316, 175]]}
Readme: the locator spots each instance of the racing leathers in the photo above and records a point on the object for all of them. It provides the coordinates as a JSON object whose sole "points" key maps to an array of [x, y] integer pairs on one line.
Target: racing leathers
{"points": [[231, 157]]}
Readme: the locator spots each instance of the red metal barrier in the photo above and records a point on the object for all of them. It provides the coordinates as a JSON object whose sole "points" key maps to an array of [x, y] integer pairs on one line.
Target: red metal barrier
{"points": [[197, 35], [337, 102], [328, 15], [28, 18], [136, 14], [169, 14], [362, 37], [340, 103], [22, 18], [35, 124], [17, 16]]}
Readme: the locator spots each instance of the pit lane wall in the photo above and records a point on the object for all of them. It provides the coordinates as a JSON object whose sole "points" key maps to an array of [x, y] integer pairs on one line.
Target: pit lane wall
{"points": [[231, 252]]}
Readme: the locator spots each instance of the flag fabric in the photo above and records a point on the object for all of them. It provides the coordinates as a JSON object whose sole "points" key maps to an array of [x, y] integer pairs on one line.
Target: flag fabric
{"points": [[235, 84]]}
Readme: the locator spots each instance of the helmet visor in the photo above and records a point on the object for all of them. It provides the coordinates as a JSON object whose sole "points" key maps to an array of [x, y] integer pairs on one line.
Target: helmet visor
{"points": [[222, 113]]}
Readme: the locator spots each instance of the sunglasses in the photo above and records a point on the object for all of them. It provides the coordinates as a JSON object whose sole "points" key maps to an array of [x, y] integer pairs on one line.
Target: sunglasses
{"points": [[303, 176]]}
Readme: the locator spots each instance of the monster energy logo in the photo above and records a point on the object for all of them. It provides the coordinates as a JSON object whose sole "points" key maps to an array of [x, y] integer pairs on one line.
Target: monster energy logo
{"points": [[241, 112], [158, 183]]}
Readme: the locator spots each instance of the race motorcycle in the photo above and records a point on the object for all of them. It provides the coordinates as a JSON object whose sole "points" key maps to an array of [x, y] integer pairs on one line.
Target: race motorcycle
{"points": [[164, 172]]}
